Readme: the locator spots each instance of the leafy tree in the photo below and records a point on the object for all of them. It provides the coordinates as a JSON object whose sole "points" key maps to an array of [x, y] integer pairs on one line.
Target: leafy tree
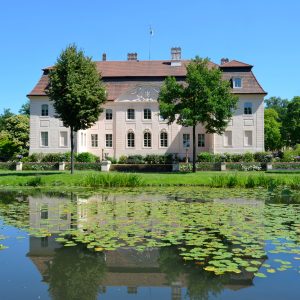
{"points": [[203, 98], [25, 109], [292, 121], [6, 114], [77, 92], [7, 147], [272, 130], [278, 104]]}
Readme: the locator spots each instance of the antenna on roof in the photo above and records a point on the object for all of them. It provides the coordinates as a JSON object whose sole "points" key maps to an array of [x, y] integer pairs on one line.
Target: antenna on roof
{"points": [[151, 32]]}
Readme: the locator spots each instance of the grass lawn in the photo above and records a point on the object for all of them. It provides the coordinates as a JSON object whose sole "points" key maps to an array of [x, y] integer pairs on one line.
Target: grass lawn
{"points": [[55, 178]]}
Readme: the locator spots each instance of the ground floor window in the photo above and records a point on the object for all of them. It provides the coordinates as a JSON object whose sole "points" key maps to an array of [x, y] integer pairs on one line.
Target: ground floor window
{"points": [[186, 140], [164, 139], [108, 140], [130, 139], [248, 138], [227, 138], [147, 139], [94, 140], [201, 140], [63, 139], [44, 139]]}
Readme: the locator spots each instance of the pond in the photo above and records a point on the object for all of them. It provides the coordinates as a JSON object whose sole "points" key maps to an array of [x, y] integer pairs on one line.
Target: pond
{"points": [[148, 245]]}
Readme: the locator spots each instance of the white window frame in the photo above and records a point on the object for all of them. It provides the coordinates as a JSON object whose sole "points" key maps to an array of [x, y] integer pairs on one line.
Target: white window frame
{"points": [[108, 140], [45, 110], [108, 113], [234, 82], [201, 138], [60, 139], [147, 139], [228, 145], [43, 139], [186, 140], [94, 140], [130, 113], [246, 138], [130, 140], [248, 108], [148, 113], [163, 142]]}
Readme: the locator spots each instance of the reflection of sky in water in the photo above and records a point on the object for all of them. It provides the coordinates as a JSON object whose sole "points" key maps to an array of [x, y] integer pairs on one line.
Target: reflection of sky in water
{"points": [[21, 279]]}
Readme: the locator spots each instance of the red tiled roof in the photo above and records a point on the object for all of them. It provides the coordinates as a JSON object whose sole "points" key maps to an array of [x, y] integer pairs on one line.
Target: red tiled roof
{"points": [[128, 71], [235, 64]]}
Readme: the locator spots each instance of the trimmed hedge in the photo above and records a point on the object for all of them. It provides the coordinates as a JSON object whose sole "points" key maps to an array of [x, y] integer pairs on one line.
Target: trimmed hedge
{"points": [[7, 165], [286, 165], [200, 166], [141, 168], [84, 166], [44, 166]]}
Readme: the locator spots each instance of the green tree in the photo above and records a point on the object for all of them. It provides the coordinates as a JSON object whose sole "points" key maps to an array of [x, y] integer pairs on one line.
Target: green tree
{"points": [[25, 109], [273, 139], [77, 92], [204, 98], [292, 122], [6, 114]]}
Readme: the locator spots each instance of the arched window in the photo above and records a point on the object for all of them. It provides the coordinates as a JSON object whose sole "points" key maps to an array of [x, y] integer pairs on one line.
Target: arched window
{"points": [[45, 110], [147, 139], [164, 139], [130, 139]]}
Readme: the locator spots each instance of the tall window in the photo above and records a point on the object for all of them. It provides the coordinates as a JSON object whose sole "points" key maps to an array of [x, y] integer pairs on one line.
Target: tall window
{"points": [[147, 139], [44, 139], [147, 114], [248, 138], [108, 140], [237, 82], [44, 211], [201, 140], [227, 138], [108, 114], [248, 108], [63, 139], [45, 110], [130, 139], [94, 140], [130, 114], [164, 139], [186, 140]]}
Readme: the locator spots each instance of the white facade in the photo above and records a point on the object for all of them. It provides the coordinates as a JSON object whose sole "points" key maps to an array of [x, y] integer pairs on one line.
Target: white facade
{"points": [[245, 132]]}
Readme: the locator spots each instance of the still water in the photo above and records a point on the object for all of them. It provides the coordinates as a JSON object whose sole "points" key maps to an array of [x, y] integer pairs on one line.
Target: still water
{"points": [[147, 246]]}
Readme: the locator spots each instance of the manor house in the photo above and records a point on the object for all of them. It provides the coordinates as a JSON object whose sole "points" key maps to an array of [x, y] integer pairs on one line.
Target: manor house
{"points": [[131, 123]]}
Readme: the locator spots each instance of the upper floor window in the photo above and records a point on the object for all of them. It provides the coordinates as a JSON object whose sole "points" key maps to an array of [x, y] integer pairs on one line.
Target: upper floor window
{"points": [[130, 139], [94, 140], [147, 139], [201, 140], [108, 114], [147, 114], [130, 114], [164, 139], [45, 110], [186, 140], [248, 108], [237, 82]]}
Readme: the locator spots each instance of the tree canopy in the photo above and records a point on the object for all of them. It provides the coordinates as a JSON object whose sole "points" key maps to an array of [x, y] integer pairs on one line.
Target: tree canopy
{"points": [[76, 90], [292, 122], [203, 98], [272, 130]]}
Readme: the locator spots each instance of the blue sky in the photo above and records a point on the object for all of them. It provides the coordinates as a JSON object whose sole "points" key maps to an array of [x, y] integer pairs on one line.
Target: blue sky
{"points": [[265, 34]]}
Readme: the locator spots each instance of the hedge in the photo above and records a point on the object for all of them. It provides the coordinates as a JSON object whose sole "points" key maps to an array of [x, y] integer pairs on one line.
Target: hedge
{"points": [[141, 168]]}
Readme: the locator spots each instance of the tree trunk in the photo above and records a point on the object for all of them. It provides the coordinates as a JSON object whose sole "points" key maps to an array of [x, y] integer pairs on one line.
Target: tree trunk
{"points": [[194, 148], [72, 150]]}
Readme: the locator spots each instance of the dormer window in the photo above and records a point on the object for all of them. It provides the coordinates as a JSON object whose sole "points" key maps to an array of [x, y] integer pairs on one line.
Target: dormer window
{"points": [[237, 82]]}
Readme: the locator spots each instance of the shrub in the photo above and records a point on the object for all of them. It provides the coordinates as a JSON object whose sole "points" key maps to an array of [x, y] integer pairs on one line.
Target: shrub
{"points": [[158, 159], [236, 157], [7, 166], [86, 157], [248, 157], [111, 159], [263, 157], [52, 157], [122, 159], [288, 156], [35, 181], [205, 157], [84, 166], [40, 166], [135, 159]]}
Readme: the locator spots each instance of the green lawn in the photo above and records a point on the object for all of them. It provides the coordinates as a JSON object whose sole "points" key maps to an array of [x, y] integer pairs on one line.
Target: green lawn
{"points": [[54, 178]]}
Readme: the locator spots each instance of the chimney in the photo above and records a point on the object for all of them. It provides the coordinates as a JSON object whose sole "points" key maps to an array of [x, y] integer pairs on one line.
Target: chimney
{"points": [[224, 60], [104, 57], [132, 56], [176, 53]]}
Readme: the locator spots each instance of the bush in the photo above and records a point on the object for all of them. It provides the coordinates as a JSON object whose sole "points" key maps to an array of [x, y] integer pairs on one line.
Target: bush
{"points": [[135, 159], [205, 157], [52, 157], [263, 157], [236, 157], [154, 159], [122, 159], [111, 159], [43, 166], [7, 166], [86, 157], [35, 181], [84, 166], [248, 157]]}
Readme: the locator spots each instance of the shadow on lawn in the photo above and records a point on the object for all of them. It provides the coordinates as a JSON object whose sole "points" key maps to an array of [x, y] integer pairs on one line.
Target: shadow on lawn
{"points": [[23, 174]]}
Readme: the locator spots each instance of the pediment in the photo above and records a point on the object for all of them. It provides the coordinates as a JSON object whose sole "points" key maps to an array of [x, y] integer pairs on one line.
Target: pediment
{"points": [[141, 93]]}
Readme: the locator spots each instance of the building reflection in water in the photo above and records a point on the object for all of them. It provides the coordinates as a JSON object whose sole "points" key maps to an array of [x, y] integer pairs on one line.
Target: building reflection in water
{"points": [[70, 271]]}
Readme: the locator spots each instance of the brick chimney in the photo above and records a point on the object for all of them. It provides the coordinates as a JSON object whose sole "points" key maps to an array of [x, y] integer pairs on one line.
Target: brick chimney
{"points": [[224, 60], [104, 57], [132, 56], [176, 53]]}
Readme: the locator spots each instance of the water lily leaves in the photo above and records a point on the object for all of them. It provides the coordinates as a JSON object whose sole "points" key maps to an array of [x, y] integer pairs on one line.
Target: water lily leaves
{"points": [[261, 275]]}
